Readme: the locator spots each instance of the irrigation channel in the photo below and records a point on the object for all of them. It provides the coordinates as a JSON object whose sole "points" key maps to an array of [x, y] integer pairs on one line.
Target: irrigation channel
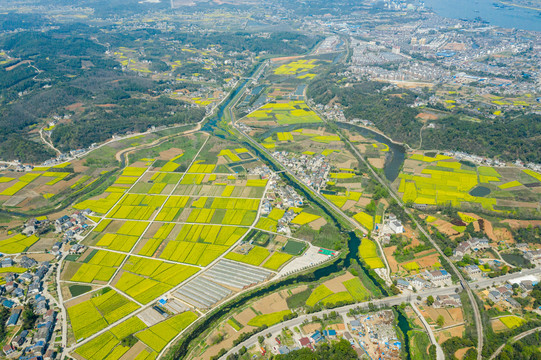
{"points": [[336, 266]]}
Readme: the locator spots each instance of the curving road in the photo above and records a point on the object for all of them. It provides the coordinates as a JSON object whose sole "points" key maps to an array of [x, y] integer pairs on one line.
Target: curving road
{"points": [[514, 339]]}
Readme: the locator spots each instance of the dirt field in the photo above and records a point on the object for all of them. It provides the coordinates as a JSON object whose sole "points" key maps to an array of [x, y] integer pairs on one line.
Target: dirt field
{"points": [[427, 116], [272, 303], [378, 163], [41, 257], [134, 351], [427, 261], [230, 335], [310, 328], [335, 285], [441, 336], [318, 224], [170, 153], [390, 258], [502, 234], [245, 316], [497, 325], [451, 316], [515, 224], [459, 354], [446, 228]]}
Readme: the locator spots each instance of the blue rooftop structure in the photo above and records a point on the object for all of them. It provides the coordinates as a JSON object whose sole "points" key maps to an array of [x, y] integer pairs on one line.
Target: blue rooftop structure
{"points": [[8, 303], [14, 317], [317, 337]]}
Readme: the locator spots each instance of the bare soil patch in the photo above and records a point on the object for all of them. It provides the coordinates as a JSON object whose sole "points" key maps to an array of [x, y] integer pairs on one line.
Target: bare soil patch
{"points": [[393, 264], [335, 285], [318, 224], [515, 224], [272, 303]]}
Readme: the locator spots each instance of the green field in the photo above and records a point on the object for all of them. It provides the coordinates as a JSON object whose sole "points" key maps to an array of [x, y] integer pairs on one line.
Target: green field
{"points": [[357, 290], [294, 247], [319, 293], [369, 253], [92, 315], [157, 336], [254, 257], [268, 319], [293, 112], [276, 260]]}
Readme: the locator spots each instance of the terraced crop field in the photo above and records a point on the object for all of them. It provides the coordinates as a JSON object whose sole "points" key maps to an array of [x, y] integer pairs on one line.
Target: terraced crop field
{"points": [[157, 230]]}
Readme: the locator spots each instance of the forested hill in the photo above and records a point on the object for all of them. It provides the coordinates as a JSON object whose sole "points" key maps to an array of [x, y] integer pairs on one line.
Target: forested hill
{"points": [[50, 73], [390, 110]]}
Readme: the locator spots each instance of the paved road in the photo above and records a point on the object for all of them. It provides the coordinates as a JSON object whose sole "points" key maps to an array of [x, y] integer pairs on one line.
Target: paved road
{"points": [[513, 339], [389, 301], [385, 302]]}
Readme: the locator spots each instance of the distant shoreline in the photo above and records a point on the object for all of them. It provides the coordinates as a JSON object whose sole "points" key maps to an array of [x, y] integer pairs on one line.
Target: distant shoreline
{"points": [[520, 6]]}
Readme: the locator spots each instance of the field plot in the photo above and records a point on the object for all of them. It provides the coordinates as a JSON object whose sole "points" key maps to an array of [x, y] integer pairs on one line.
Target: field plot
{"points": [[131, 228], [276, 260], [172, 208], [146, 279], [440, 180], [17, 244], [369, 253], [157, 336], [92, 315], [156, 183], [109, 345], [269, 319], [339, 291], [201, 244], [137, 207], [512, 322], [254, 257], [296, 67], [100, 265], [294, 112]]}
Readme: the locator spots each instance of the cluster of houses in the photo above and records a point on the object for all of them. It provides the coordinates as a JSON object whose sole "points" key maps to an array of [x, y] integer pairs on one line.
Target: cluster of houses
{"points": [[73, 224], [505, 292], [424, 280], [445, 301], [304, 342], [27, 288], [312, 170], [35, 343], [474, 244]]}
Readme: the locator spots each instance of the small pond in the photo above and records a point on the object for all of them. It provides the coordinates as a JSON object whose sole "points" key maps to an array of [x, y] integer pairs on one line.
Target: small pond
{"points": [[480, 191]]}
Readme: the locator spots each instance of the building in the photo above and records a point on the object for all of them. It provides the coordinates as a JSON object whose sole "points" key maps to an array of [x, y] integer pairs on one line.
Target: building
{"points": [[396, 226], [443, 301]]}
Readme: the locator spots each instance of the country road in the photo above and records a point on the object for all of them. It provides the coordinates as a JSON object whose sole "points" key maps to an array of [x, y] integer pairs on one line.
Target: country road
{"points": [[385, 302], [514, 339]]}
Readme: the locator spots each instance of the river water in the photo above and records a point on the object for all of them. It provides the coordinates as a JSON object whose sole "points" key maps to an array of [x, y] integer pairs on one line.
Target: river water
{"points": [[492, 11], [395, 157]]}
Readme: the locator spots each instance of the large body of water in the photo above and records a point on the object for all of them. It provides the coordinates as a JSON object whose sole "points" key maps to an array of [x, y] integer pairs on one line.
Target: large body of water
{"points": [[500, 15]]}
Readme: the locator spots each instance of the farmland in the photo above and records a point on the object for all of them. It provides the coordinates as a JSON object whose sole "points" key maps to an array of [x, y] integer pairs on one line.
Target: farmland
{"points": [[441, 180], [96, 313], [295, 112]]}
